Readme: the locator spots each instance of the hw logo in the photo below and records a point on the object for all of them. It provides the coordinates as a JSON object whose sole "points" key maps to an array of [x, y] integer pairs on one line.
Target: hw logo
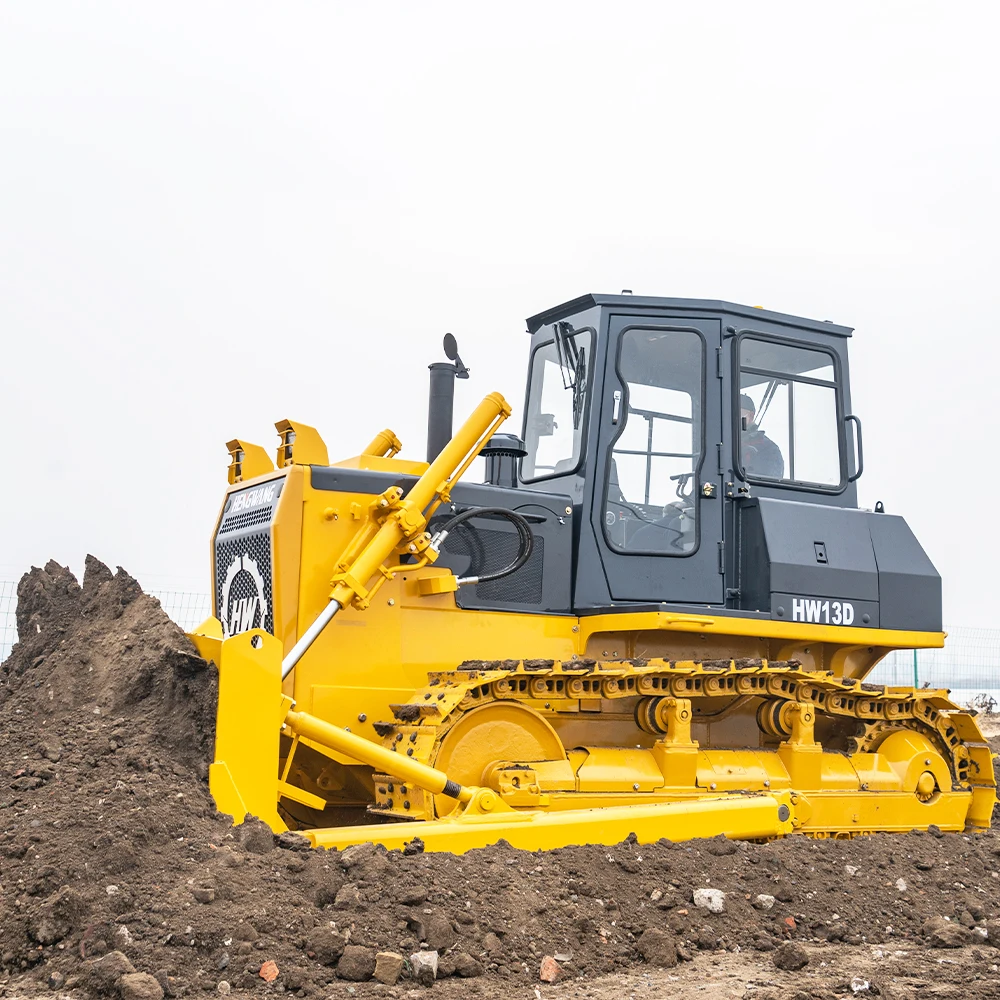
{"points": [[243, 605]]}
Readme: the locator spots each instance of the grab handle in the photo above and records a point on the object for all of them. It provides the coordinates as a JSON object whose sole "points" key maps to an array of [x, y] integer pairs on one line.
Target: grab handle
{"points": [[859, 449]]}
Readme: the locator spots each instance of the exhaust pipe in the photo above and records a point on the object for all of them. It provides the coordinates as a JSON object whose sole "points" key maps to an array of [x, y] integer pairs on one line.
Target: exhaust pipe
{"points": [[441, 400]]}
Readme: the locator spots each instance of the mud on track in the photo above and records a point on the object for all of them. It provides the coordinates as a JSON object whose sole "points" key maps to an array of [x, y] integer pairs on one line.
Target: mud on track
{"points": [[109, 842]]}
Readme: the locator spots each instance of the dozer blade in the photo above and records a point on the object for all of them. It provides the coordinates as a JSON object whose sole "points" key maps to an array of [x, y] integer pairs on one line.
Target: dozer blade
{"points": [[244, 777]]}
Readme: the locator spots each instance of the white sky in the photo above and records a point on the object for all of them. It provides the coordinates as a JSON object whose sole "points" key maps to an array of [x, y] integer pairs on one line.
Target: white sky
{"points": [[217, 215]]}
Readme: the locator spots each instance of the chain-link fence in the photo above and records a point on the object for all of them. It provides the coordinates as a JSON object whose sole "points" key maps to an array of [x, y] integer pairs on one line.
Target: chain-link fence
{"points": [[969, 664], [8, 627]]}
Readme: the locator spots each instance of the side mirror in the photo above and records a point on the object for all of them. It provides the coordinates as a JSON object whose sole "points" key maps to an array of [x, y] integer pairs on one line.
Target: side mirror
{"points": [[451, 353]]}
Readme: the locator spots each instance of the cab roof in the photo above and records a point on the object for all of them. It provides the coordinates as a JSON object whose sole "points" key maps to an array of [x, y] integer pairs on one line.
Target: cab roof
{"points": [[655, 303]]}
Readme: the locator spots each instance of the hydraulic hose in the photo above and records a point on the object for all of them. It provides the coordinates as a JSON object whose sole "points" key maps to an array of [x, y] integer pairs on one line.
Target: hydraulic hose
{"points": [[525, 538]]}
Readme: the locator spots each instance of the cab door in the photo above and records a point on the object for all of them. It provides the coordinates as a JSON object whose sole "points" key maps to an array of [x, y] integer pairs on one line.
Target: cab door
{"points": [[657, 512]]}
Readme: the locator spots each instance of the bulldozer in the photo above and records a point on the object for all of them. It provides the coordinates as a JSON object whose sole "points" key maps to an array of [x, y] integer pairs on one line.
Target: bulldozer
{"points": [[655, 617]]}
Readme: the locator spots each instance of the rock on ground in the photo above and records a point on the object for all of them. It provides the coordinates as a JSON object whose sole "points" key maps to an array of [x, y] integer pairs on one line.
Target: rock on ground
{"points": [[357, 963], [388, 967], [713, 900], [139, 986], [548, 971], [105, 972], [424, 965], [941, 933], [790, 956], [658, 948], [466, 967], [435, 930], [325, 945]]}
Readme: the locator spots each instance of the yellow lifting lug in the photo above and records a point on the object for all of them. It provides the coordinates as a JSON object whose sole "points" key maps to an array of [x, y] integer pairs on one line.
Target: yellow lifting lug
{"points": [[247, 461], [300, 445]]}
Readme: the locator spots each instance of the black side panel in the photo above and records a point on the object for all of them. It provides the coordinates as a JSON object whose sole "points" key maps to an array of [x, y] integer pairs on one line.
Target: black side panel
{"points": [[909, 585], [324, 477], [807, 562], [800, 535]]}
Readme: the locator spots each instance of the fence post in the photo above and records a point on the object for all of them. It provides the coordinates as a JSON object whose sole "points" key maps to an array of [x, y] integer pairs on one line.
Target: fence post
{"points": [[916, 675]]}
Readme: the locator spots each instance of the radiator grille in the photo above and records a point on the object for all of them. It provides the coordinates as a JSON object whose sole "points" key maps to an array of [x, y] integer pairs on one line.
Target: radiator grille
{"points": [[477, 550], [253, 555], [249, 518], [244, 585]]}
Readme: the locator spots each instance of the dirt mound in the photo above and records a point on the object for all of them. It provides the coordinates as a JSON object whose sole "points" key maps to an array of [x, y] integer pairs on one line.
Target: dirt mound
{"points": [[118, 878], [109, 649]]}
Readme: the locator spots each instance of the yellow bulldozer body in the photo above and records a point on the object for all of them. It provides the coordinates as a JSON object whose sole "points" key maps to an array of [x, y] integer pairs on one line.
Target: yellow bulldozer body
{"points": [[459, 727]]}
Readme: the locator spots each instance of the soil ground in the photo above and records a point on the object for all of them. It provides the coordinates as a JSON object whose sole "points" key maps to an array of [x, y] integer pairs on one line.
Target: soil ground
{"points": [[119, 879]]}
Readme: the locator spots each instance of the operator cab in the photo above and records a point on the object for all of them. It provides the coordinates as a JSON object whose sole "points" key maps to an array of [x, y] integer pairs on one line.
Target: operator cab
{"points": [[711, 454]]}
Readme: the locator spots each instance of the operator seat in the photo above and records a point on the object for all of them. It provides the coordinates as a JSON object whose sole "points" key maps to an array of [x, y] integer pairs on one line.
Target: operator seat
{"points": [[663, 535]]}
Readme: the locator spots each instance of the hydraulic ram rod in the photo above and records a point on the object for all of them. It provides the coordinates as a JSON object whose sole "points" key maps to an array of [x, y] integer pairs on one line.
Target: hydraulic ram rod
{"points": [[308, 638]]}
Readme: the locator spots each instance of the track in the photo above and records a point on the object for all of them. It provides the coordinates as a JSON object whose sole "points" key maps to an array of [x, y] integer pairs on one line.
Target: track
{"points": [[758, 726]]}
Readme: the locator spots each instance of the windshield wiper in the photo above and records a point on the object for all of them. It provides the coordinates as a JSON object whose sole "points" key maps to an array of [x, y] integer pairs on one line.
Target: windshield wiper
{"points": [[572, 366]]}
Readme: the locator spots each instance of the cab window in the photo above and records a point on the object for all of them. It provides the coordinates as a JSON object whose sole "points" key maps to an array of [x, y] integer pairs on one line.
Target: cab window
{"points": [[788, 426], [651, 487], [557, 392]]}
